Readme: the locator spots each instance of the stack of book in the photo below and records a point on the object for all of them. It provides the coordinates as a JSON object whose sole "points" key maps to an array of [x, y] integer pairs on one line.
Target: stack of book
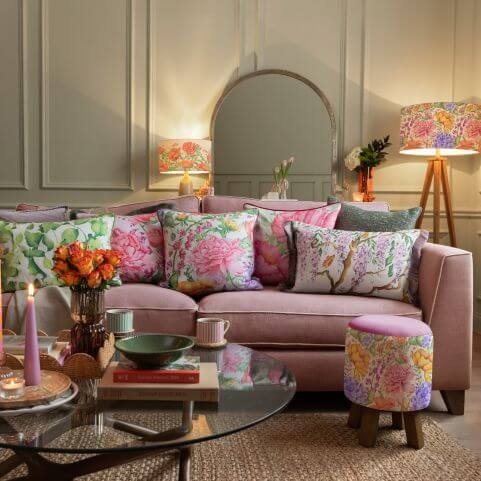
{"points": [[185, 380]]}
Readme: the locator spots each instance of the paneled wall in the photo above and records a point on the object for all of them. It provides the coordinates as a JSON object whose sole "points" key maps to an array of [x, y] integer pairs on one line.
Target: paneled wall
{"points": [[88, 87]]}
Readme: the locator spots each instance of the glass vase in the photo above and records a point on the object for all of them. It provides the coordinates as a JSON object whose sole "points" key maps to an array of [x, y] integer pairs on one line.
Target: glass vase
{"points": [[282, 188], [87, 309], [366, 183]]}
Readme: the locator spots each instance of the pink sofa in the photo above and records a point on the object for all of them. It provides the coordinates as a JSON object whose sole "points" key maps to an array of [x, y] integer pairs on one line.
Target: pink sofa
{"points": [[306, 331]]}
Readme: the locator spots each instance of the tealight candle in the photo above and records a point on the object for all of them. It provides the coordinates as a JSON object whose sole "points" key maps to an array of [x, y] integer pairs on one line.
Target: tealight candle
{"points": [[357, 196], [12, 388]]}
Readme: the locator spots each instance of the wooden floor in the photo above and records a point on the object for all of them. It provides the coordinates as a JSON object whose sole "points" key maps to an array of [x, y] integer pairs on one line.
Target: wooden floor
{"points": [[466, 428]]}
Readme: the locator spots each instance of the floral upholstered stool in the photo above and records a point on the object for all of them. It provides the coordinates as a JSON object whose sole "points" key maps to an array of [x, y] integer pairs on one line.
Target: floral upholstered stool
{"points": [[388, 367]]}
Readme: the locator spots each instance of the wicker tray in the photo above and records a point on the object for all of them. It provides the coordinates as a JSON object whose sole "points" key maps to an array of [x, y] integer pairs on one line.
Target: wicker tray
{"points": [[76, 366], [52, 386]]}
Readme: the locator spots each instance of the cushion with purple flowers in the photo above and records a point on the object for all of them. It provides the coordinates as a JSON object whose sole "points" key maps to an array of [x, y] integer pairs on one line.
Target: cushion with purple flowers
{"points": [[270, 241], [139, 239], [380, 264], [209, 252]]}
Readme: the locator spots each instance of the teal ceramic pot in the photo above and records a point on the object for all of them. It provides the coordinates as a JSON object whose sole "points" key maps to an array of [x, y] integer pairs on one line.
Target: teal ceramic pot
{"points": [[119, 321], [151, 351]]}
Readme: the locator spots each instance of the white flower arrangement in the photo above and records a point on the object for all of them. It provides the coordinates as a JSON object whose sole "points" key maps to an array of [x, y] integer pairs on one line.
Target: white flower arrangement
{"points": [[353, 159]]}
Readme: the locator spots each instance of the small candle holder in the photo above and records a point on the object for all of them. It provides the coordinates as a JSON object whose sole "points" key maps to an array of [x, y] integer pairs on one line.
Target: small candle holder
{"points": [[12, 388]]}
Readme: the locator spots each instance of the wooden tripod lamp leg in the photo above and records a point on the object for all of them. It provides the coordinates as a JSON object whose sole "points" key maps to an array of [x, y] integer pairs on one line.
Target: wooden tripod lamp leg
{"points": [[428, 178], [447, 202], [436, 200]]}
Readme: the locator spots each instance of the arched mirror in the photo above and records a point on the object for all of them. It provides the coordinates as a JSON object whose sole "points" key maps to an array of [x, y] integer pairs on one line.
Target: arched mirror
{"points": [[265, 117]]}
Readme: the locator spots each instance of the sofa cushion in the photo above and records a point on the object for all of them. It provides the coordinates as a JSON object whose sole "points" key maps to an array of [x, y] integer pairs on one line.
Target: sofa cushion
{"points": [[185, 203], [292, 320], [155, 309]]}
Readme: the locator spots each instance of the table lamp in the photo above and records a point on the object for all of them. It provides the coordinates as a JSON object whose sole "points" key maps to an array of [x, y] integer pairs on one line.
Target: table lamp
{"points": [[440, 129], [177, 156]]}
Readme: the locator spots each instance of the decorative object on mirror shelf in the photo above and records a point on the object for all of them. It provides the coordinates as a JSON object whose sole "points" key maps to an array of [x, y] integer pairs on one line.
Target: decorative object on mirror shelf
{"points": [[281, 184], [363, 160], [181, 156], [211, 332], [32, 355], [440, 129], [88, 273], [357, 196]]}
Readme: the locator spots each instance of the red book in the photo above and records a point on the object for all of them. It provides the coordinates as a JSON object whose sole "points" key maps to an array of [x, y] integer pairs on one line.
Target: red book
{"points": [[183, 371]]}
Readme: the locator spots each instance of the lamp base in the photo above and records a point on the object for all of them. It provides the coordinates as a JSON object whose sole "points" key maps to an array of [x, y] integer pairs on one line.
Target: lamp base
{"points": [[185, 186]]}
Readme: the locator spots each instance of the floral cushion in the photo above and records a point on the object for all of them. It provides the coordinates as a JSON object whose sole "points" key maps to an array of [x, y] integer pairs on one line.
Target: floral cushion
{"points": [[28, 248], [270, 241], [380, 264], [139, 239], [209, 252], [389, 373]]}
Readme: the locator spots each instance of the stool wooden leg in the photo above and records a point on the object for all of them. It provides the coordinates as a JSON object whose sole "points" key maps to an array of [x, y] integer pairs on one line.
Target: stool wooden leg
{"points": [[414, 430], [354, 420], [369, 426], [397, 420]]}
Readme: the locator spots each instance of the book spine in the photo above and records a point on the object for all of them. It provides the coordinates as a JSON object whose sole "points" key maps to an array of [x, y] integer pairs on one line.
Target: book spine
{"points": [[119, 394], [184, 377]]}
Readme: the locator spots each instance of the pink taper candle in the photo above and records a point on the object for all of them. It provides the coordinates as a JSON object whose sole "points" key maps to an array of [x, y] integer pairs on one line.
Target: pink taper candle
{"points": [[31, 360]]}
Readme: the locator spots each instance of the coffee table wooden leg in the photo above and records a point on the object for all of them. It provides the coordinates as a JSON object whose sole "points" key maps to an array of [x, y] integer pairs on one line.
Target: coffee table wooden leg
{"points": [[184, 464]]}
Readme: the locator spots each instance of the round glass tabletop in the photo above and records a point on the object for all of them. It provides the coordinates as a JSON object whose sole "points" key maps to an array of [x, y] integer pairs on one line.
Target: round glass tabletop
{"points": [[253, 387]]}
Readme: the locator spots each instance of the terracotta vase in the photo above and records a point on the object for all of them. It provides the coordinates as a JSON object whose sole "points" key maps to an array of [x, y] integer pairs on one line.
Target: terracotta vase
{"points": [[365, 180]]}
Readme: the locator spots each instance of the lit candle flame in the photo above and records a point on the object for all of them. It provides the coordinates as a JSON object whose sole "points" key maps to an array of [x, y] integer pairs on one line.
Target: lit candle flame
{"points": [[30, 290]]}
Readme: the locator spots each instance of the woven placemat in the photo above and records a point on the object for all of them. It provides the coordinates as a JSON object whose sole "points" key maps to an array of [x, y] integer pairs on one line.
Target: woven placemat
{"points": [[303, 447]]}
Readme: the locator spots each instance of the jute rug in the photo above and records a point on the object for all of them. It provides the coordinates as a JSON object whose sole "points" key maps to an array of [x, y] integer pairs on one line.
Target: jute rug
{"points": [[307, 447]]}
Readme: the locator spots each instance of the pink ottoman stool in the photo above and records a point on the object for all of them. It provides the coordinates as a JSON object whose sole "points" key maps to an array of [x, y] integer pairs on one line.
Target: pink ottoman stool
{"points": [[388, 367]]}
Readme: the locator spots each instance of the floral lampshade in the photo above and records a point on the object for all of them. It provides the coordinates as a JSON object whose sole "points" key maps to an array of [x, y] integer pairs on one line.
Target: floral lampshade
{"points": [[176, 156], [444, 128]]}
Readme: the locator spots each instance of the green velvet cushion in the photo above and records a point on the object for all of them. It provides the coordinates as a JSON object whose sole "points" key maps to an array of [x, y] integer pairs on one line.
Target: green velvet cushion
{"points": [[356, 219]]}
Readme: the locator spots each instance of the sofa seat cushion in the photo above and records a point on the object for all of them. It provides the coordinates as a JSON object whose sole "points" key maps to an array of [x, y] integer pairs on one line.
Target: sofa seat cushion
{"points": [[155, 308], [292, 320]]}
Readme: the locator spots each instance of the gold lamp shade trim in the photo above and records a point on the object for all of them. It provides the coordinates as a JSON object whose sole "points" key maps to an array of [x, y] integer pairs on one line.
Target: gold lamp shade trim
{"points": [[440, 128]]}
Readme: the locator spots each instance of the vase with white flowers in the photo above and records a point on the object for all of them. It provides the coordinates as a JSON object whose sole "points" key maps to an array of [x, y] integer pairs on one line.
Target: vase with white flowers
{"points": [[363, 160], [281, 184]]}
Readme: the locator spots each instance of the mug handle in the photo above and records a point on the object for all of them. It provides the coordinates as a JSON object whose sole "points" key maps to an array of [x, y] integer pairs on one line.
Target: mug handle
{"points": [[226, 326]]}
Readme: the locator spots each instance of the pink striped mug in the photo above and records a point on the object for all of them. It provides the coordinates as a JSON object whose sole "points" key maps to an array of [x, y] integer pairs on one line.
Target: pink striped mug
{"points": [[211, 331]]}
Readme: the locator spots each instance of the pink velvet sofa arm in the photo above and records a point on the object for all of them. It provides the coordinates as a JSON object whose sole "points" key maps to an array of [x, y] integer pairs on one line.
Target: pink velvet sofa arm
{"points": [[446, 297]]}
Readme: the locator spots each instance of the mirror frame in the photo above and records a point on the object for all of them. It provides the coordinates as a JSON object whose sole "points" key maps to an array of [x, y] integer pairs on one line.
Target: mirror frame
{"points": [[293, 75]]}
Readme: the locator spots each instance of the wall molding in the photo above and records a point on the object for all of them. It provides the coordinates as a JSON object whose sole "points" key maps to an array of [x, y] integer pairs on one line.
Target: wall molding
{"points": [[22, 184], [46, 182]]}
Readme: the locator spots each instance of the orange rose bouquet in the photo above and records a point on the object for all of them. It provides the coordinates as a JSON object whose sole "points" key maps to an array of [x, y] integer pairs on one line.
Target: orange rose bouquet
{"points": [[80, 268]]}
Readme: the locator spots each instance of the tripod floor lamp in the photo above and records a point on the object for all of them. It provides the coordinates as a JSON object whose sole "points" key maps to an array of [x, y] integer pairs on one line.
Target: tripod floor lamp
{"points": [[438, 130]]}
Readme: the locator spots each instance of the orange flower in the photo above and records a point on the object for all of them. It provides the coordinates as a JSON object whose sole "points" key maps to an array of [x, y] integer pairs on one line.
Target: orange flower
{"points": [[113, 258], [107, 271], [70, 278], [84, 263], [75, 249], [60, 266], [187, 164], [163, 166], [189, 148], [61, 252], [328, 261], [383, 404], [360, 359], [99, 256], [94, 279]]}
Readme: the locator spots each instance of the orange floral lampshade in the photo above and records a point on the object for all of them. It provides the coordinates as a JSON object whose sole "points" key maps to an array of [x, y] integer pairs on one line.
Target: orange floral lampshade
{"points": [[176, 156], [447, 128]]}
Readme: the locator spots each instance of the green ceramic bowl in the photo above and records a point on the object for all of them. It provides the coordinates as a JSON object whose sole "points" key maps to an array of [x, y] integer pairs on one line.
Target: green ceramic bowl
{"points": [[154, 350]]}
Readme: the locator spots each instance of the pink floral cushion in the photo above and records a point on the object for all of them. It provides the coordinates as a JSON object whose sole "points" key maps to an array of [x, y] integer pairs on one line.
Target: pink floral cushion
{"points": [[209, 252], [139, 239], [270, 240]]}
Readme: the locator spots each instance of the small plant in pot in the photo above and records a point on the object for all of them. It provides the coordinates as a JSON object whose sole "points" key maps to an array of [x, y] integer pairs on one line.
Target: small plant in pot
{"points": [[87, 273]]}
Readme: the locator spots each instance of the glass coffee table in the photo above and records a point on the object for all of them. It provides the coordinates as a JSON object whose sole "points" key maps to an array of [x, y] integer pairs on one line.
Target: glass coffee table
{"points": [[253, 387]]}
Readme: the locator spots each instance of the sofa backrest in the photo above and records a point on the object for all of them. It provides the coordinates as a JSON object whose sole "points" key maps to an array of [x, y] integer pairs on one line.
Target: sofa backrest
{"points": [[185, 203], [217, 204]]}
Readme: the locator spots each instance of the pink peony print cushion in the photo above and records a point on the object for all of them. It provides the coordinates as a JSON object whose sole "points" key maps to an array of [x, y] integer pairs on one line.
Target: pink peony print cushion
{"points": [[209, 252], [139, 239], [270, 241]]}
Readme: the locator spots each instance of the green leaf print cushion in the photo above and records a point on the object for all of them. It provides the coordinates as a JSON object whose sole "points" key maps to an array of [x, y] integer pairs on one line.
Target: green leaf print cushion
{"points": [[28, 248]]}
